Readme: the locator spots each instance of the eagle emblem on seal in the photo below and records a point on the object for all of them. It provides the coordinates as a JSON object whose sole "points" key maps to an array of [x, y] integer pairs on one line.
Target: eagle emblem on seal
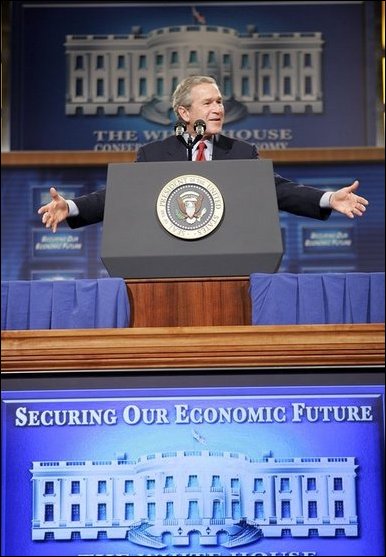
{"points": [[189, 204]]}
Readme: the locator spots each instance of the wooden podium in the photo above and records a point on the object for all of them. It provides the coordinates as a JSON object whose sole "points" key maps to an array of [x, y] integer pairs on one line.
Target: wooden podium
{"points": [[192, 280], [186, 302]]}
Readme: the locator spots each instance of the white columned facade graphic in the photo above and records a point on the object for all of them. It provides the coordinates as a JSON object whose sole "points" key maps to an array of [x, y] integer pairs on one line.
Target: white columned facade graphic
{"points": [[210, 492], [137, 73]]}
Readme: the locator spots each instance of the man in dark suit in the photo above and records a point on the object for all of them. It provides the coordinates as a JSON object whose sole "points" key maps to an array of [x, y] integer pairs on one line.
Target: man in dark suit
{"points": [[199, 98]]}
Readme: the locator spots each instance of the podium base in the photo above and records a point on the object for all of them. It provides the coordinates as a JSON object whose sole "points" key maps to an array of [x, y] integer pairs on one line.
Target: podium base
{"points": [[187, 302]]}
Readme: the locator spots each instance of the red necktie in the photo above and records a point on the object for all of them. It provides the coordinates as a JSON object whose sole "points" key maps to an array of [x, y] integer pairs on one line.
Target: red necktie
{"points": [[200, 151]]}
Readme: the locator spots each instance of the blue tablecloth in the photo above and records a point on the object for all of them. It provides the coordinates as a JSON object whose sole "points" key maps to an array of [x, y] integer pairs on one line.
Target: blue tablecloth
{"points": [[68, 304], [286, 299]]}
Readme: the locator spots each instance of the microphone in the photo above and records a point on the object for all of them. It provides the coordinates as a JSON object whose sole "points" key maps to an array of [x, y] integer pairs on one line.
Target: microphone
{"points": [[179, 128], [199, 127]]}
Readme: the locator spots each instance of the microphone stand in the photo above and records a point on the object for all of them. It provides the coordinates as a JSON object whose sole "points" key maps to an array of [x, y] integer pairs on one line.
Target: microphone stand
{"points": [[180, 128]]}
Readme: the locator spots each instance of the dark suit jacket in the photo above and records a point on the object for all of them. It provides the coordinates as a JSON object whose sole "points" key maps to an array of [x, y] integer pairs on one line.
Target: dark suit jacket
{"points": [[293, 198]]}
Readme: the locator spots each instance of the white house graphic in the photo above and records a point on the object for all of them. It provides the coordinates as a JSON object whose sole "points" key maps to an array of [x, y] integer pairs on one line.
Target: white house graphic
{"points": [[137, 73], [224, 498]]}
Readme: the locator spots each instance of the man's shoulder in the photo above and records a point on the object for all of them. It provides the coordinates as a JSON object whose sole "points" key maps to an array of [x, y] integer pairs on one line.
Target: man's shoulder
{"points": [[235, 145], [226, 139]]}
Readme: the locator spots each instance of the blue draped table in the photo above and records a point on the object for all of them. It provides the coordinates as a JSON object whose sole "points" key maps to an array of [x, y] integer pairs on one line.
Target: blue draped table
{"points": [[68, 304], [328, 298]]}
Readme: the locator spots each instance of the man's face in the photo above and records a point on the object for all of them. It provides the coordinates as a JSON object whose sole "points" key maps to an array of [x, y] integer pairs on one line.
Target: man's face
{"points": [[206, 105]]}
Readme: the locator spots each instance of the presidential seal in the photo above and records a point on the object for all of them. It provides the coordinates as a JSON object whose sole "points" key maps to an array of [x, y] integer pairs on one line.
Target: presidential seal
{"points": [[190, 207]]}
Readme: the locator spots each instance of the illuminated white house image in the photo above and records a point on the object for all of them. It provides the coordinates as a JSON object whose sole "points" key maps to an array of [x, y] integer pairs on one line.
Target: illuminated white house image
{"points": [[224, 498], [137, 73]]}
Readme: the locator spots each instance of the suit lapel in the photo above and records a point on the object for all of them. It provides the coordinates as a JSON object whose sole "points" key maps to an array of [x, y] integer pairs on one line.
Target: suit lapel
{"points": [[176, 150]]}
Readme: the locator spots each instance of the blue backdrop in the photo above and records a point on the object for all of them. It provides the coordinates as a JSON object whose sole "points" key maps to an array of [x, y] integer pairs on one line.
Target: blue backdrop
{"points": [[348, 86]]}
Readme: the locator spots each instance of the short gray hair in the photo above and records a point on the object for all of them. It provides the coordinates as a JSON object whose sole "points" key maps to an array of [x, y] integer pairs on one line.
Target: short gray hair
{"points": [[182, 94]]}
